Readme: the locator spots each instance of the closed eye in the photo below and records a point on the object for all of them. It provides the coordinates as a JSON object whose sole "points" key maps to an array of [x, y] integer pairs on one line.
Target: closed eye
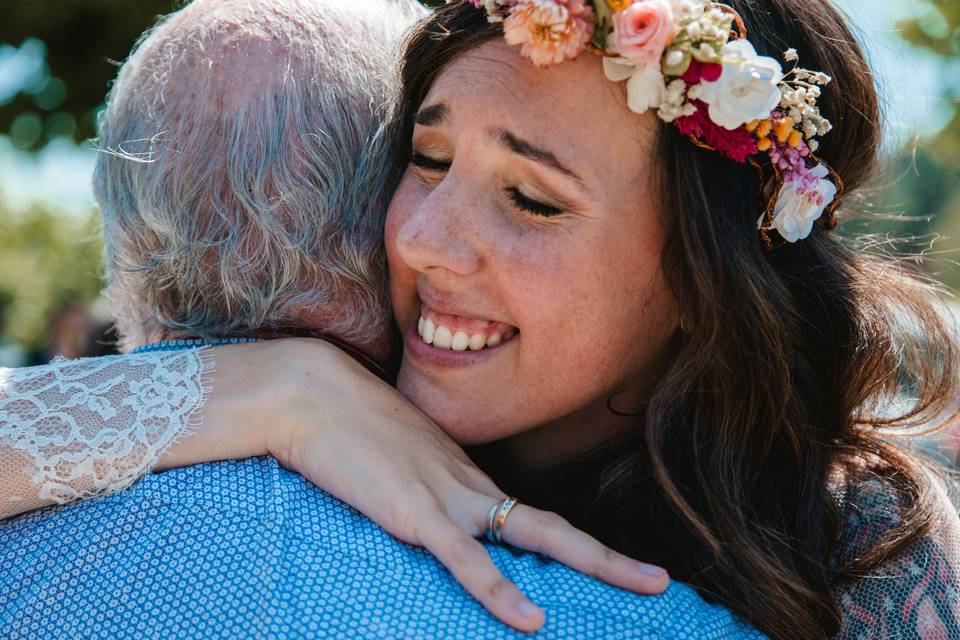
{"points": [[428, 163], [530, 205]]}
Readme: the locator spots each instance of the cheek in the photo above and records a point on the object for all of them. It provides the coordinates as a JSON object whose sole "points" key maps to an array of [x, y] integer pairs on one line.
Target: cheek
{"points": [[599, 310]]}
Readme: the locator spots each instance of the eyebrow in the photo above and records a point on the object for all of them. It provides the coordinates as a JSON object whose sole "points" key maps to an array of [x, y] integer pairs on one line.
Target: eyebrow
{"points": [[528, 150], [430, 116], [439, 113]]}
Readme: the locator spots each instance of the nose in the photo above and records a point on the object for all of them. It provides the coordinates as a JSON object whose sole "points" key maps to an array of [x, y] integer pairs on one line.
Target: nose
{"points": [[437, 235]]}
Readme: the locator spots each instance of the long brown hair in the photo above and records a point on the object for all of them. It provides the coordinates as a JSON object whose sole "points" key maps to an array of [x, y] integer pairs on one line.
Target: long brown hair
{"points": [[786, 366]]}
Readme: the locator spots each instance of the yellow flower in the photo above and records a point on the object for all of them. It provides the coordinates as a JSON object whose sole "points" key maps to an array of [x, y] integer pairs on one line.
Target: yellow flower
{"points": [[782, 129], [618, 5]]}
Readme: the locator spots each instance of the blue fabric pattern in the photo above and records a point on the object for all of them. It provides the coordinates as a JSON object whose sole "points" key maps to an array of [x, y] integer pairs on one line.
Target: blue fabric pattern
{"points": [[190, 343], [248, 549]]}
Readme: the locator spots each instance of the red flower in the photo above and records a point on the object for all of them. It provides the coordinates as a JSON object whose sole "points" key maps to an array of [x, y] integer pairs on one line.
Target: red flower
{"points": [[738, 144], [698, 71]]}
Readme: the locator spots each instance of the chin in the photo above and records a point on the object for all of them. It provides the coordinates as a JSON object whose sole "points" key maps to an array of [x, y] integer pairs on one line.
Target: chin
{"points": [[467, 424]]}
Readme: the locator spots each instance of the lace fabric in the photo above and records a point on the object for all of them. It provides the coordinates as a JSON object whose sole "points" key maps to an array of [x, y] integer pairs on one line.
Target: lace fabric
{"points": [[915, 596], [73, 429]]}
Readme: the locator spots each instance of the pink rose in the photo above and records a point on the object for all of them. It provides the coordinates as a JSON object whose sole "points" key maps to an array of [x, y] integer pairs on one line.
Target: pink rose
{"points": [[644, 29]]}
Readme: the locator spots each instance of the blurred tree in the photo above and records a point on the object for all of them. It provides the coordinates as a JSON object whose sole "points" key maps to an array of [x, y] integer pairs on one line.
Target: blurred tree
{"points": [[931, 183], [938, 31], [66, 52], [61, 53], [47, 259]]}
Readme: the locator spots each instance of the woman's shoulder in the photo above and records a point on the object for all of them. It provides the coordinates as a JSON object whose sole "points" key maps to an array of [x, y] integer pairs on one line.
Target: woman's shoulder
{"points": [[914, 594]]}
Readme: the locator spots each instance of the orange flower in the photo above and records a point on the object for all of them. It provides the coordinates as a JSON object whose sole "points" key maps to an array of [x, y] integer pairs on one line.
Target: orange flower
{"points": [[618, 5], [550, 31]]}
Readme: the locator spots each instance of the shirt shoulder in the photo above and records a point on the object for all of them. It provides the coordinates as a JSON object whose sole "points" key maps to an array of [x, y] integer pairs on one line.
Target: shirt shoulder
{"points": [[212, 549], [913, 595]]}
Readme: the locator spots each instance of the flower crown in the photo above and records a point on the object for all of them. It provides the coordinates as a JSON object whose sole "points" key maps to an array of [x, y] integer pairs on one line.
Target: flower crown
{"points": [[690, 60]]}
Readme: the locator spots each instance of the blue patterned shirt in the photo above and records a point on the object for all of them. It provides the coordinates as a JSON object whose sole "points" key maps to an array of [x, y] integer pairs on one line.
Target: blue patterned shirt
{"points": [[249, 549]]}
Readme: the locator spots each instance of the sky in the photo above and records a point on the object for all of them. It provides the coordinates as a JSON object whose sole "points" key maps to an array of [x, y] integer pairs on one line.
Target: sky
{"points": [[58, 177]]}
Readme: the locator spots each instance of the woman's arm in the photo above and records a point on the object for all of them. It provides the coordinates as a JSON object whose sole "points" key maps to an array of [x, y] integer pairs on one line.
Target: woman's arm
{"points": [[75, 429], [309, 405], [357, 438]]}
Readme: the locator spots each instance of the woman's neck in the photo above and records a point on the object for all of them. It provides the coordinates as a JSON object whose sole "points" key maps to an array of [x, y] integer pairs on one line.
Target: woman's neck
{"points": [[535, 453]]}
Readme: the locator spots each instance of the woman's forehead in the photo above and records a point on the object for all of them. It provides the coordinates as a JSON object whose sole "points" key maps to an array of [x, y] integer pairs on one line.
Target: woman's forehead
{"points": [[496, 70], [571, 104]]}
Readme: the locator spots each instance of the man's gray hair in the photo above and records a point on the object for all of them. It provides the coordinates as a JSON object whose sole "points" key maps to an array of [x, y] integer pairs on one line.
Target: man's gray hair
{"points": [[243, 172]]}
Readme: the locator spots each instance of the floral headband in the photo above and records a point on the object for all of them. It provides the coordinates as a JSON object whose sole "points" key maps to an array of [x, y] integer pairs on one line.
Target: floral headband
{"points": [[684, 59]]}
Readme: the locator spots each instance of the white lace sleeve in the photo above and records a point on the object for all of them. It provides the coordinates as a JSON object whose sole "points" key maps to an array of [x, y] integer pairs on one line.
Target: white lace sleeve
{"points": [[78, 428]]}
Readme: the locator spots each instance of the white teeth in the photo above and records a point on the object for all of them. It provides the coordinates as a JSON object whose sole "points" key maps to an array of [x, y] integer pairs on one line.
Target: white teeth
{"points": [[460, 341], [442, 337], [428, 331]]}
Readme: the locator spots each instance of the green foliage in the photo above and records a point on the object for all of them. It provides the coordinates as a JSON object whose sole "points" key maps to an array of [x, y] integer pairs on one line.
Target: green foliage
{"points": [[938, 31], [46, 259], [84, 40], [931, 173]]}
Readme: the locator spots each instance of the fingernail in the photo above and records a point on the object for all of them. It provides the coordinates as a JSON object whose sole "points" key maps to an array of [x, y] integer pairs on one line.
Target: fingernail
{"points": [[528, 610], [652, 570]]}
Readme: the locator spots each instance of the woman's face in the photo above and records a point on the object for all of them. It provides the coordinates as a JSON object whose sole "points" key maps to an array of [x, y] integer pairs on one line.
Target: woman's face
{"points": [[524, 248]]}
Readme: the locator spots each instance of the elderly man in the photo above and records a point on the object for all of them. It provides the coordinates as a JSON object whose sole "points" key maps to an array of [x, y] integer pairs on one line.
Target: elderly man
{"points": [[242, 187]]}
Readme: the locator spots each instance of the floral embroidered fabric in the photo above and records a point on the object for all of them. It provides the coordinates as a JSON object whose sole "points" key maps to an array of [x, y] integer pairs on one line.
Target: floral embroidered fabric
{"points": [[913, 597], [75, 429]]}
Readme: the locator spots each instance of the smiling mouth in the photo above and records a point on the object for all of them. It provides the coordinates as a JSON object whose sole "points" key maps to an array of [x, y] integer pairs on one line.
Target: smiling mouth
{"points": [[460, 333]]}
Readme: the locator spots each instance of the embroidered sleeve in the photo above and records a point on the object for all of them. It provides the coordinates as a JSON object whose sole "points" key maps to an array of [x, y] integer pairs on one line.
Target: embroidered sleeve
{"points": [[78, 428], [915, 596]]}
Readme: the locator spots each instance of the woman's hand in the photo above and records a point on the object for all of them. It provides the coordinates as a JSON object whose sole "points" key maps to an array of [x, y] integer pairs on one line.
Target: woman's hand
{"points": [[360, 440]]}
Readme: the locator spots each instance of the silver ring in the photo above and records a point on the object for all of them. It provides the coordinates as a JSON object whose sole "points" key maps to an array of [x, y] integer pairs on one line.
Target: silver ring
{"points": [[497, 517], [490, 516]]}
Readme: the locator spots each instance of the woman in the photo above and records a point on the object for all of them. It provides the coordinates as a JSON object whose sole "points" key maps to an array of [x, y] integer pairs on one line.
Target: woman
{"points": [[541, 199], [684, 386]]}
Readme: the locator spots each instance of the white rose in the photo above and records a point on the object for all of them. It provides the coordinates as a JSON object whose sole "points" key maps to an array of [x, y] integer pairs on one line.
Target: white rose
{"points": [[794, 212], [746, 89], [645, 85]]}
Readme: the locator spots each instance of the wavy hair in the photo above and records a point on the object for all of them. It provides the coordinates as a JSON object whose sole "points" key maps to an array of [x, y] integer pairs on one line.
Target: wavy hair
{"points": [[788, 371], [242, 171]]}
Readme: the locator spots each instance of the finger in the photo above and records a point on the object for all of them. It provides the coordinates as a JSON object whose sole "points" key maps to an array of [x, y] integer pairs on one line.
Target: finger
{"points": [[551, 535], [473, 568]]}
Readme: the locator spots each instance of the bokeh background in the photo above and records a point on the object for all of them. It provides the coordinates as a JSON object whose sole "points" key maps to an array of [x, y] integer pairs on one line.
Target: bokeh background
{"points": [[57, 58]]}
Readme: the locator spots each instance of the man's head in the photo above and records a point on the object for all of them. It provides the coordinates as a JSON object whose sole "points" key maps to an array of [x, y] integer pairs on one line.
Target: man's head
{"points": [[242, 181]]}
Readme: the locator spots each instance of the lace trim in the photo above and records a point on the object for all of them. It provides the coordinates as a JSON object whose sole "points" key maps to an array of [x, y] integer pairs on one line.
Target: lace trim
{"points": [[86, 427]]}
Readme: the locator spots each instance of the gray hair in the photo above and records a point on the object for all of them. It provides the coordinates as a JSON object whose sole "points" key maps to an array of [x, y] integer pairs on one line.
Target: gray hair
{"points": [[245, 171]]}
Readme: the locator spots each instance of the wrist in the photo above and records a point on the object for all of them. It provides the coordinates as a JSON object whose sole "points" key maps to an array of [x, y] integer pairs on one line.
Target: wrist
{"points": [[243, 413], [298, 381]]}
